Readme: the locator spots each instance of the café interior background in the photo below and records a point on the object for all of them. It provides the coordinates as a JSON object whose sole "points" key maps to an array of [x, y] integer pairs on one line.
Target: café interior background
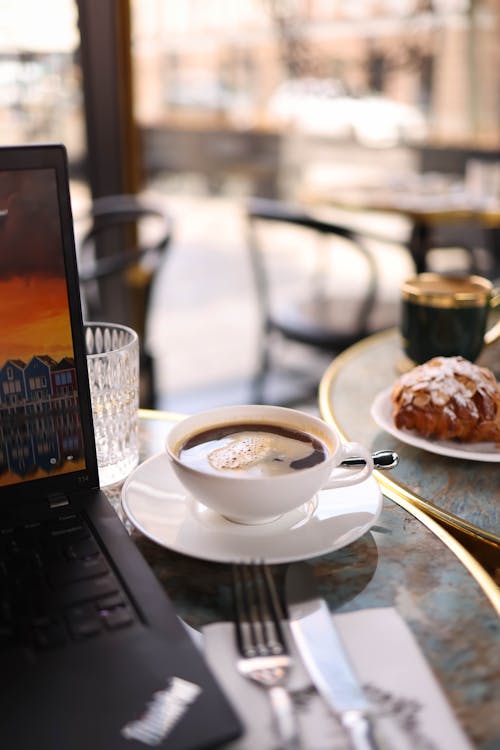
{"points": [[282, 95]]}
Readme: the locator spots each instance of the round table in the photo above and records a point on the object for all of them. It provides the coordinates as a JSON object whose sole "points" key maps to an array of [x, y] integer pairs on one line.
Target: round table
{"points": [[404, 561], [427, 212], [462, 494]]}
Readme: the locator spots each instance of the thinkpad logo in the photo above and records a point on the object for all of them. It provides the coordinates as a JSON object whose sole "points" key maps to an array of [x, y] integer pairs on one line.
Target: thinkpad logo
{"points": [[163, 711]]}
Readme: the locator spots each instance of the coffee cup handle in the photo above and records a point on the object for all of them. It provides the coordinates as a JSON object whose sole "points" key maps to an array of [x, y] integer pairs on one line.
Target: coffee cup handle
{"points": [[345, 479], [494, 332]]}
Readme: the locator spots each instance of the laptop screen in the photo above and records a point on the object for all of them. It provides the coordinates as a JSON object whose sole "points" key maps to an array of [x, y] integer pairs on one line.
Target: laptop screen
{"points": [[41, 427]]}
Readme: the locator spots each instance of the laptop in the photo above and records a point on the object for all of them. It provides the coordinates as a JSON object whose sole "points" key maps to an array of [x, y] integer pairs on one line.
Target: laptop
{"points": [[92, 654]]}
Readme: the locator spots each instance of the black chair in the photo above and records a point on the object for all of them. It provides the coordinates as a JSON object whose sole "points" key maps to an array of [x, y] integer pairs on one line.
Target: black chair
{"points": [[315, 310], [119, 255]]}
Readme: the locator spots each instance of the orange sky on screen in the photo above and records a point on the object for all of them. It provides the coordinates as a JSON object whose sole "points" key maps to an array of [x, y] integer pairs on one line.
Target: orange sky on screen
{"points": [[26, 332]]}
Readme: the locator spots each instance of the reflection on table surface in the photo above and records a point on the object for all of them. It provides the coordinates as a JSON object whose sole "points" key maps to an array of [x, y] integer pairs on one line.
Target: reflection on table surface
{"points": [[462, 493], [400, 562]]}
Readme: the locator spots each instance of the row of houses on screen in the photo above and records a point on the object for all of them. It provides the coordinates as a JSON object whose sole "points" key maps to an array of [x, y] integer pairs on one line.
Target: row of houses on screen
{"points": [[40, 382]]}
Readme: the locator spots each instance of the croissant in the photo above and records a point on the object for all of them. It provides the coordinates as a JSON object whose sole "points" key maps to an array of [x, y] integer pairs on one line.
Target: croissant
{"points": [[448, 398]]}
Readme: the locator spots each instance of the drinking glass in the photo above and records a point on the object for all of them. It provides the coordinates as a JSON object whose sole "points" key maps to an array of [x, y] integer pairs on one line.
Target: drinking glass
{"points": [[113, 365]]}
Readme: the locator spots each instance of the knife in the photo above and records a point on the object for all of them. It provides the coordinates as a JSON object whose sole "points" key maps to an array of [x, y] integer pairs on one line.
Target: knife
{"points": [[325, 658]]}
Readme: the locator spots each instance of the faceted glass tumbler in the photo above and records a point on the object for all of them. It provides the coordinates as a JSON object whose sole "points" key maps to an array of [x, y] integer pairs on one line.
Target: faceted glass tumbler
{"points": [[113, 365]]}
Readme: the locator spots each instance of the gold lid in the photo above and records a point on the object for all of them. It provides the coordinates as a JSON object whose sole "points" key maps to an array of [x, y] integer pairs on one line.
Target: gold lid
{"points": [[441, 290]]}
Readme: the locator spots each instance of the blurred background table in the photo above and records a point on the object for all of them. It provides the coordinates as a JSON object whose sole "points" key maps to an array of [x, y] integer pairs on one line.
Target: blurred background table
{"points": [[442, 213], [462, 495], [406, 561]]}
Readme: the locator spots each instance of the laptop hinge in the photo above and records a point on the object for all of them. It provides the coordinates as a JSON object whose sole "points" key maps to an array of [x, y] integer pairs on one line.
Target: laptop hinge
{"points": [[57, 500]]}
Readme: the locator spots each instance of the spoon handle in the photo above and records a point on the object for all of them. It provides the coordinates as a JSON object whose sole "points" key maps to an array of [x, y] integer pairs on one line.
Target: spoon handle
{"points": [[381, 460]]}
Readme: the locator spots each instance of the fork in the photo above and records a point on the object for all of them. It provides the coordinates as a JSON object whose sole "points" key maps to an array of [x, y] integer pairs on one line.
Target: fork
{"points": [[261, 643]]}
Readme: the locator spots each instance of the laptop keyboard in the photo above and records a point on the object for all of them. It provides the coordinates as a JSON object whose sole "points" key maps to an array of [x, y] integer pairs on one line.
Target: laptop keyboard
{"points": [[56, 585]]}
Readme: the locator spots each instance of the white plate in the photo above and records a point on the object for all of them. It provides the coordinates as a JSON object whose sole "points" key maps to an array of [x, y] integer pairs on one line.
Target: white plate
{"points": [[158, 505], [381, 412]]}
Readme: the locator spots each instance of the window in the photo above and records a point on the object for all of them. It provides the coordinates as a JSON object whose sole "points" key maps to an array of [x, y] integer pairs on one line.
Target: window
{"points": [[40, 81]]}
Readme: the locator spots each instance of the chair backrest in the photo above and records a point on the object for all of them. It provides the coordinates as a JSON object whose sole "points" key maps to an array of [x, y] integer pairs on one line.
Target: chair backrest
{"points": [[116, 263], [118, 258], [322, 333]]}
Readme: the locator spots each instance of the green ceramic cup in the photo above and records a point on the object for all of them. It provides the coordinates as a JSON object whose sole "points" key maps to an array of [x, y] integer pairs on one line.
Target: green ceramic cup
{"points": [[447, 316]]}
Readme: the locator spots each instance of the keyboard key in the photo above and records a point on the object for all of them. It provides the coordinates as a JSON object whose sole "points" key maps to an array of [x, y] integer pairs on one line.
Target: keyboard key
{"points": [[77, 570], [67, 525], [108, 602], [81, 549], [83, 591], [119, 617], [83, 621]]}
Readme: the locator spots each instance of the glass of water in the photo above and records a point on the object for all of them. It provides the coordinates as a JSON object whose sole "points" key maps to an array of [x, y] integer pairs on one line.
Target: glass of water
{"points": [[113, 365]]}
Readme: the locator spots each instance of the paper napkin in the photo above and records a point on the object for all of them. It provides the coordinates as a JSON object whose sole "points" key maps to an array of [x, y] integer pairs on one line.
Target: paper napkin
{"points": [[411, 710]]}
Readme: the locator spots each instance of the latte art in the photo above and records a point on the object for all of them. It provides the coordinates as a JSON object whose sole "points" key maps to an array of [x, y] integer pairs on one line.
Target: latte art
{"points": [[256, 450]]}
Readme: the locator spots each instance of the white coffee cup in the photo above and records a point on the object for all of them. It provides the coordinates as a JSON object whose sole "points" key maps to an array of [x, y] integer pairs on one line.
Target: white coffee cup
{"points": [[247, 499]]}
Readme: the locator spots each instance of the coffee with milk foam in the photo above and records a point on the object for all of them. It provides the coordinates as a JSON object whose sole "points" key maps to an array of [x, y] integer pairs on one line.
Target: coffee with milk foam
{"points": [[252, 449]]}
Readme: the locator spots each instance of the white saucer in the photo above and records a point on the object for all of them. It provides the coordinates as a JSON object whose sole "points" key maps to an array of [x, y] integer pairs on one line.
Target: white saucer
{"points": [[158, 506], [381, 412]]}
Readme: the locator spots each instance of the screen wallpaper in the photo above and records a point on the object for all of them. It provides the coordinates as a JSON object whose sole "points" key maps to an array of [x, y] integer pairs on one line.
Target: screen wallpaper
{"points": [[40, 428]]}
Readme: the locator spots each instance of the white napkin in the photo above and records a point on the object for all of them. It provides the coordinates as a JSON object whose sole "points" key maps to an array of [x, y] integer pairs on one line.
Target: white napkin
{"points": [[411, 710]]}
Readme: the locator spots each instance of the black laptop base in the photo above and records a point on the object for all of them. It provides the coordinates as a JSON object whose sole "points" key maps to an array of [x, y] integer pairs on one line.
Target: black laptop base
{"points": [[89, 666]]}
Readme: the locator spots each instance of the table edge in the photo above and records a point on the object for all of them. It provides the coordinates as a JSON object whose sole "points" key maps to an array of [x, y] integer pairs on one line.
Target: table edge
{"points": [[418, 507], [485, 216]]}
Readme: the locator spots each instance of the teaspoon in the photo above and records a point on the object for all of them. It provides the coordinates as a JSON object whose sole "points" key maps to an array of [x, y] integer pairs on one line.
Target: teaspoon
{"points": [[381, 460]]}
